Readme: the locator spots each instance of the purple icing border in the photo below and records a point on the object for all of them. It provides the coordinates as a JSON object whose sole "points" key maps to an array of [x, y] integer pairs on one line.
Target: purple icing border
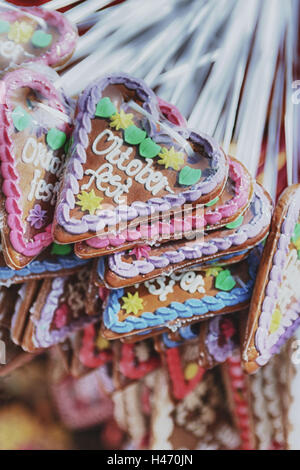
{"points": [[86, 112], [43, 336], [263, 346], [262, 215]]}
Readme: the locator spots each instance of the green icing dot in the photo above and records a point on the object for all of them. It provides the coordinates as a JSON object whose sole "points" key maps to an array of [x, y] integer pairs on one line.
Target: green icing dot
{"points": [[56, 138], [4, 26], [224, 281], [41, 39], [296, 235], [189, 176], [213, 202], [21, 118], [149, 149], [133, 135], [105, 108], [61, 249], [236, 223]]}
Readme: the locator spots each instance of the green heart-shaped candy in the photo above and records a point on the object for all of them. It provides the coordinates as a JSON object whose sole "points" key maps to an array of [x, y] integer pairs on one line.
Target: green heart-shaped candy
{"points": [[133, 135], [189, 176], [41, 39], [56, 139], [148, 148], [105, 108], [224, 281], [21, 118]]}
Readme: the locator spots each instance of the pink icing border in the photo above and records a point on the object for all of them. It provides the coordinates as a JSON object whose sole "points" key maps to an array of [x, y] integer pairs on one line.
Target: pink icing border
{"points": [[68, 35], [10, 184], [192, 222]]}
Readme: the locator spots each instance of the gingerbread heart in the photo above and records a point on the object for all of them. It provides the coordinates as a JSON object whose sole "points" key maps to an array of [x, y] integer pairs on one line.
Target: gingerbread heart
{"points": [[275, 305], [223, 210], [169, 302], [58, 310], [34, 35], [145, 262], [125, 164], [33, 136], [56, 260]]}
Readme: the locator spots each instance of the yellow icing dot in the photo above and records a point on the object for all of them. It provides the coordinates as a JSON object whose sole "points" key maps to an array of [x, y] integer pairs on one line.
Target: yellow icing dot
{"points": [[191, 371], [89, 201], [102, 343], [275, 321], [20, 32], [121, 120]]}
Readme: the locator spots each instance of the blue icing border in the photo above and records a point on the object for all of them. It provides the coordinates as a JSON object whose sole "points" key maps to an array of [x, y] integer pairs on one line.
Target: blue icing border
{"points": [[178, 310], [38, 267]]}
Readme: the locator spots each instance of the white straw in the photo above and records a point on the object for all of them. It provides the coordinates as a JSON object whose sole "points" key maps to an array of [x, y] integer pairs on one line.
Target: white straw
{"points": [[83, 10], [58, 4]]}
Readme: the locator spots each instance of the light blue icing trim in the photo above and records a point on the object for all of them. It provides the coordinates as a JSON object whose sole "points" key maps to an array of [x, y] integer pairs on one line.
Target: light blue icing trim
{"points": [[38, 267], [177, 310]]}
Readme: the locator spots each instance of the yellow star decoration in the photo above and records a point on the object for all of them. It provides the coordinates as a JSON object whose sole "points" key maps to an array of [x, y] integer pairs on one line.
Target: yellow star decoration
{"points": [[275, 321], [213, 271], [121, 120], [132, 303], [20, 32], [171, 158], [89, 201]]}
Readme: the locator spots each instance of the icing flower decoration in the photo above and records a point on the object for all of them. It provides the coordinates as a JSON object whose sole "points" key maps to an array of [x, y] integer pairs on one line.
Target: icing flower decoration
{"points": [[141, 252], [275, 321], [121, 120], [37, 217], [132, 303], [171, 158], [20, 32], [89, 201], [213, 271]]}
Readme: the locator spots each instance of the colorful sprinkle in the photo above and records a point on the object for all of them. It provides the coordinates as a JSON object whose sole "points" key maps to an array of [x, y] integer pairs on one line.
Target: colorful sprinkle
{"points": [[224, 281], [132, 303], [105, 108], [189, 176], [149, 149], [56, 139], [41, 39], [171, 158], [21, 118], [236, 223], [61, 250], [4, 26], [121, 120], [89, 201], [20, 32], [213, 202], [133, 135], [191, 371]]}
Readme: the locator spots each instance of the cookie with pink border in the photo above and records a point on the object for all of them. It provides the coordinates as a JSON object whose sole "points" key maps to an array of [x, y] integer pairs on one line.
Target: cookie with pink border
{"points": [[33, 139], [147, 262], [128, 163], [223, 210], [275, 305], [34, 35]]}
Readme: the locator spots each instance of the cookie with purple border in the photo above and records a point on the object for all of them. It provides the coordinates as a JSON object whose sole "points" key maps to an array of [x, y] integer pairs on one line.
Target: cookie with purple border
{"points": [[33, 136], [145, 262], [275, 305], [126, 164], [35, 35], [58, 310]]}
